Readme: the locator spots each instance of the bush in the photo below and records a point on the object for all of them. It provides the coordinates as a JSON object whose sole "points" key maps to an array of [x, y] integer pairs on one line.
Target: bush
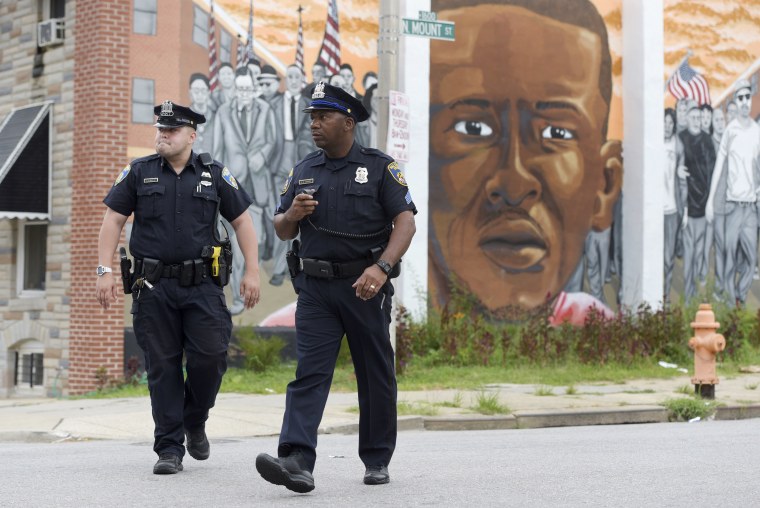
{"points": [[260, 353]]}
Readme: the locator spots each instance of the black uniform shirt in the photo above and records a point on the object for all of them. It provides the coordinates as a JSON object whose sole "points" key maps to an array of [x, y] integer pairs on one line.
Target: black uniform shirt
{"points": [[358, 195], [174, 214]]}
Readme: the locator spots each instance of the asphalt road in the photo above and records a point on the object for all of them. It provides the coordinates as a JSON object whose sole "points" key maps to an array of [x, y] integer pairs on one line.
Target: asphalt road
{"points": [[714, 463]]}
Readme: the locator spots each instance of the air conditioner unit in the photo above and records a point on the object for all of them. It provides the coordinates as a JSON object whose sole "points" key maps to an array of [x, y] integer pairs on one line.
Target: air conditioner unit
{"points": [[50, 32]]}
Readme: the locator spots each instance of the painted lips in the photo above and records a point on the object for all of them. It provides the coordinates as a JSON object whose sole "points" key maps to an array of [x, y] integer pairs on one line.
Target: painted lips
{"points": [[514, 244]]}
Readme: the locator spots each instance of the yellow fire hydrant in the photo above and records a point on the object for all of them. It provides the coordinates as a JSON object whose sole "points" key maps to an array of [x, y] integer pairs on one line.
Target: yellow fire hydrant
{"points": [[705, 343]]}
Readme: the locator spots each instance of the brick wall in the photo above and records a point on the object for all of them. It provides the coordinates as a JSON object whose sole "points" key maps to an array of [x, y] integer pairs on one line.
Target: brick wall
{"points": [[101, 111]]}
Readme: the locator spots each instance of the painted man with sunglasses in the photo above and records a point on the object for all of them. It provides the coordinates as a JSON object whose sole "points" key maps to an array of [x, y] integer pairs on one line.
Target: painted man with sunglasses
{"points": [[740, 150]]}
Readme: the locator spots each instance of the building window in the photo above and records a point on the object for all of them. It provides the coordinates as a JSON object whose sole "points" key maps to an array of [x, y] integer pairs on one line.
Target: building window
{"points": [[200, 26], [225, 47], [32, 258], [28, 370], [146, 13], [142, 100], [52, 9]]}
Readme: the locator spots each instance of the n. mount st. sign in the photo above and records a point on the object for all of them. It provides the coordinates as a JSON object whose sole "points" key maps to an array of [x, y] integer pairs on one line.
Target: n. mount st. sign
{"points": [[428, 26]]}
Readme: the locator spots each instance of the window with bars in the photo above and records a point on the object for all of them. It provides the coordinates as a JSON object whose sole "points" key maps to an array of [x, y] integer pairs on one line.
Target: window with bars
{"points": [[28, 370]]}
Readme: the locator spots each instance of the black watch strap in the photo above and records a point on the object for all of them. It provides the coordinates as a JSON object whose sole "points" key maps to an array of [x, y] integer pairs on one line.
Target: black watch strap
{"points": [[384, 266]]}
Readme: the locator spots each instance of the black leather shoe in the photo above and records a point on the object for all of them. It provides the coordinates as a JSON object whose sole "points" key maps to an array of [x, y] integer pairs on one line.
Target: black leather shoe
{"points": [[376, 475], [288, 471], [197, 444], [168, 463]]}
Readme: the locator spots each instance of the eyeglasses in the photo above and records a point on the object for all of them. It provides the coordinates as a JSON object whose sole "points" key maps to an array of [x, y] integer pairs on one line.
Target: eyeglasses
{"points": [[743, 96], [244, 90]]}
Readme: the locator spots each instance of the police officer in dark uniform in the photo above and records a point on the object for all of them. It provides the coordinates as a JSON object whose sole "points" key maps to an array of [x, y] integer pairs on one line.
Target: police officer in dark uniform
{"points": [[355, 215], [178, 300]]}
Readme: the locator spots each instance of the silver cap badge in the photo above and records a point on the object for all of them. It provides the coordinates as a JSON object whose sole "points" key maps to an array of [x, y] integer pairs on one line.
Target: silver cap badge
{"points": [[319, 91], [166, 108]]}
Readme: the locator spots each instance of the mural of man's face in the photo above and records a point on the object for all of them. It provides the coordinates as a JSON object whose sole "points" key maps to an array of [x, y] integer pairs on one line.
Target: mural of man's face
{"points": [[226, 77], [348, 79], [682, 108], [269, 87], [694, 119], [732, 110], [318, 73], [743, 99], [719, 121], [706, 120], [199, 92], [520, 171], [244, 90], [293, 80]]}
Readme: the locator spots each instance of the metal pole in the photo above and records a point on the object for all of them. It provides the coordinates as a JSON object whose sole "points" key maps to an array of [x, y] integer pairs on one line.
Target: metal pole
{"points": [[388, 63]]}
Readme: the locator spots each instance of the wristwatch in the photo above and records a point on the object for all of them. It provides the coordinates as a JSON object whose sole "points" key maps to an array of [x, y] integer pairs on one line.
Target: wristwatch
{"points": [[384, 266], [102, 270]]}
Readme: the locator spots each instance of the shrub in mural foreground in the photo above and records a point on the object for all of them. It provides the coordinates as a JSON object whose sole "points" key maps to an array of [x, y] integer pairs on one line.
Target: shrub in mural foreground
{"points": [[461, 334]]}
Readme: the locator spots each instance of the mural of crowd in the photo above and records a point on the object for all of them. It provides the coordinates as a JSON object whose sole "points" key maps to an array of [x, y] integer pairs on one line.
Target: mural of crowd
{"points": [[256, 126], [712, 187]]}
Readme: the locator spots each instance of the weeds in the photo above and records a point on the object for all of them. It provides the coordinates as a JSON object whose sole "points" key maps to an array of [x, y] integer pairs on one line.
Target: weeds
{"points": [[260, 353], [544, 391], [488, 404], [685, 409]]}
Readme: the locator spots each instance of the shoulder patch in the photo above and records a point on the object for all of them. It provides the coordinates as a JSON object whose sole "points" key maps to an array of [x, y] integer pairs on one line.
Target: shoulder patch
{"points": [[287, 183], [229, 178], [122, 175], [396, 173]]}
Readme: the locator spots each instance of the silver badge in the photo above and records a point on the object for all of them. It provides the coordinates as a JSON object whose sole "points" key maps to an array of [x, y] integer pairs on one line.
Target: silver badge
{"points": [[319, 91], [205, 183], [166, 108], [206, 174], [361, 175]]}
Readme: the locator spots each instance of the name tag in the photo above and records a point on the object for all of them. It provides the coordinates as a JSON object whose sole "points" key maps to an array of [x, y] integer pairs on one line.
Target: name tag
{"points": [[150, 180], [205, 183], [305, 181]]}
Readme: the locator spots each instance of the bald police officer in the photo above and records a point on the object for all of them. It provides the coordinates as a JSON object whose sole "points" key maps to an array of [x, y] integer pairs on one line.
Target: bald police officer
{"points": [[178, 305], [355, 215]]}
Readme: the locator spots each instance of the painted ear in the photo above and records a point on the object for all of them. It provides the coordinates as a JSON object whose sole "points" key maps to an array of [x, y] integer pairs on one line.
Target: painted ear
{"points": [[612, 182]]}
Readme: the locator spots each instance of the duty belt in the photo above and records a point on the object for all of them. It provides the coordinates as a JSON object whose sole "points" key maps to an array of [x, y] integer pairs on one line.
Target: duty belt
{"points": [[190, 272], [322, 269]]}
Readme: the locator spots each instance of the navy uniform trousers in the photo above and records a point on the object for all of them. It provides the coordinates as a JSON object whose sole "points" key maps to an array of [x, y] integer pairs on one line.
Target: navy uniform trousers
{"points": [[169, 320], [326, 310]]}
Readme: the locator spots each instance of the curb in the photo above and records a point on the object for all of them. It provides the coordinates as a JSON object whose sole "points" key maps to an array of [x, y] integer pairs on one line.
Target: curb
{"points": [[471, 422], [581, 417], [737, 412]]}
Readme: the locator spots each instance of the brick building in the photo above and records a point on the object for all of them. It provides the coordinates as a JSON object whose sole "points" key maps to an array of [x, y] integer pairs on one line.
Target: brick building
{"points": [[75, 105]]}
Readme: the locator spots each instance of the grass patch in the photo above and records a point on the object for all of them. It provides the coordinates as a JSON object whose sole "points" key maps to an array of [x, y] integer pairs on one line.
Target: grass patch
{"points": [[636, 392], [571, 390], [404, 408], [751, 386], [685, 389], [685, 409], [488, 404], [544, 391], [457, 402]]}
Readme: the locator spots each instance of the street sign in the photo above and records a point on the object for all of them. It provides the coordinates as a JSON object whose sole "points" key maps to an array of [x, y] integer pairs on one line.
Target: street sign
{"points": [[398, 126], [428, 26]]}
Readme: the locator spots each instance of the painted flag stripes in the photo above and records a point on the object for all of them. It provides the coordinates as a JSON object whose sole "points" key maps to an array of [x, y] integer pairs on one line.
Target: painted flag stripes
{"points": [[688, 83], [329, 53], [213, 64]]}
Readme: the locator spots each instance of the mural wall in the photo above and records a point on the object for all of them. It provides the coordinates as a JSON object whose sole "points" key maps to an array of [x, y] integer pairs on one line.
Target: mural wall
{"points": [[712, 59], [525, 158], [250, 70]]}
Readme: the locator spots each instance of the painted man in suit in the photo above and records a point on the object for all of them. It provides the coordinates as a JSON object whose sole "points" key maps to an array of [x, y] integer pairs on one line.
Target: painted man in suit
{"points": [[295, 142], [244, 138]]}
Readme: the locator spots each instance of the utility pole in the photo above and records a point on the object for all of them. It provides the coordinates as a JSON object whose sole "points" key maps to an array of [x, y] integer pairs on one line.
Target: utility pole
{"points": [[388, 52]]}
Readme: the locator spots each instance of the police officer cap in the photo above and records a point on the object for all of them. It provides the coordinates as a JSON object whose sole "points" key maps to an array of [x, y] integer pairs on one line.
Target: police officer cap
{"points": [[171, 115], [327, 96]]}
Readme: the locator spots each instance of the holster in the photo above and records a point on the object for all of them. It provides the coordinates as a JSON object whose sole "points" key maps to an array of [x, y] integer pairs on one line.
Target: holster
{"points": [[225, 265], [294, 263], [151, 269]]}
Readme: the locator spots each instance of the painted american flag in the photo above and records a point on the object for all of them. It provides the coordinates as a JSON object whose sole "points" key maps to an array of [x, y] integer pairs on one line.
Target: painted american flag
{"points": [[299, 43], [213, 64], [329, 53], [249, 55], [688, 83]]}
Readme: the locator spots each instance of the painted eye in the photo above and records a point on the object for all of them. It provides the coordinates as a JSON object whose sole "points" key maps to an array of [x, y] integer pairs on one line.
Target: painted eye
{"points": [[472, 128], [552, 132]]}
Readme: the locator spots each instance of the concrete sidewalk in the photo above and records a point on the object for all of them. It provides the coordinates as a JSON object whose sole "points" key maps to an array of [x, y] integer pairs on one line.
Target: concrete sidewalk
{"points": [[238, 415]]}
